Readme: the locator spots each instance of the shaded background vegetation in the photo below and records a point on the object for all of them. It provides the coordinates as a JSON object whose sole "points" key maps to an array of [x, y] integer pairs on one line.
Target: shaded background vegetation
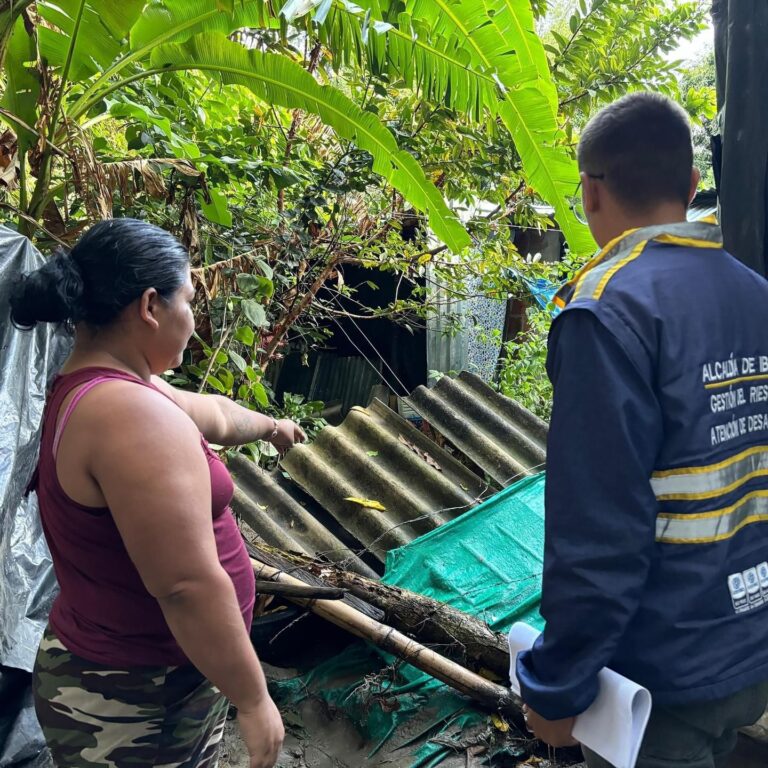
{"points": [[307, 152]]}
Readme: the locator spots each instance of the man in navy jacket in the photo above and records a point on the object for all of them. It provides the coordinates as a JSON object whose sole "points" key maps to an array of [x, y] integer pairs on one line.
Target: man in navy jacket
{"points": [[656, 555]]}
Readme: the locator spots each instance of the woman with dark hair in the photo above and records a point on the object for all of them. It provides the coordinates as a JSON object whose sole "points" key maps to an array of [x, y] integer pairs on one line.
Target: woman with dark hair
{"points": [[148, 637]]}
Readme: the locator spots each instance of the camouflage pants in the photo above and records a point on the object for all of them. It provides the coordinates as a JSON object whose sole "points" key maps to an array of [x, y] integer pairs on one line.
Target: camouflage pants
{"points": [[96, 717]]}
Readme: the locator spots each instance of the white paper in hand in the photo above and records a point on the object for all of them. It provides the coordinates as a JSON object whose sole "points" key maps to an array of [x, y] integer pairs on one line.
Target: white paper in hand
{"points": [[614, 724]]}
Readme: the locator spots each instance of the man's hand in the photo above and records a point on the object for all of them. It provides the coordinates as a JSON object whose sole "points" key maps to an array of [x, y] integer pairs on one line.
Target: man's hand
{"points": [[556, 733]]}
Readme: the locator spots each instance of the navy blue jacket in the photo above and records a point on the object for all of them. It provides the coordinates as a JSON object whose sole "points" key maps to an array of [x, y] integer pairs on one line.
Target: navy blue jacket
{"points": [[657, 476]]}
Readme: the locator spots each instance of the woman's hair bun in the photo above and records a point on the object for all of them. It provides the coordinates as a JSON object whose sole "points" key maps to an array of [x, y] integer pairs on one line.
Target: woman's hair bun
{"points": [[108, 268], [51, 294]]}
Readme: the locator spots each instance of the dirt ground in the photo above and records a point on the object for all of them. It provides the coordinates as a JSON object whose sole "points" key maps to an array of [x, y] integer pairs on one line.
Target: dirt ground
{"points": [[317, 739], [337, 745], [314, 740]]}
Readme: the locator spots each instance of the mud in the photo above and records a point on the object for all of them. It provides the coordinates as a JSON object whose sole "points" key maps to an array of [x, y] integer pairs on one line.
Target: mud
{"points": [[316, 740]]}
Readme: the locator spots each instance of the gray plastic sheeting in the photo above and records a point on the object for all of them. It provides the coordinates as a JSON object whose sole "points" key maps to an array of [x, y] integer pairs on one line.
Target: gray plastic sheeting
{"points": [[28, 359]]}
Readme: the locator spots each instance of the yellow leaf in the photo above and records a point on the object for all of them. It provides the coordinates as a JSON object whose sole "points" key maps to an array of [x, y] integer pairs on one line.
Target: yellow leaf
{"points": [[499, 723], [367, 503]]}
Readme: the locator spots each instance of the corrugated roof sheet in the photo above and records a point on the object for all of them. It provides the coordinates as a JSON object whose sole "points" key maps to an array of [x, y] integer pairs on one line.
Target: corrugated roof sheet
{"points": [[271, 506], [504, 439], [377, 455]]}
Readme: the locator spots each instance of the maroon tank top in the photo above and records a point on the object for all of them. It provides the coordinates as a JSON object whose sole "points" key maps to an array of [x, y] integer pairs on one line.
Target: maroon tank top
{"points": [[103, 611]]}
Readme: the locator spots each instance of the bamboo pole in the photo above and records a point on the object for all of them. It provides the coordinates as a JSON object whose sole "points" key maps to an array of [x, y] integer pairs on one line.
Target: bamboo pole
{"points": [[458, 635], [490, 695]]}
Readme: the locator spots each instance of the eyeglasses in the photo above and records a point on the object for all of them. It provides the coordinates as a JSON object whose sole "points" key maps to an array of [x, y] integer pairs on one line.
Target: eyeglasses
{"points": [[575, 202]]}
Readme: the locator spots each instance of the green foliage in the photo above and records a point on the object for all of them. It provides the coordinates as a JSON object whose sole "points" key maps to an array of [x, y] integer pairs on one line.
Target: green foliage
{"points": [[22, 86], [698, 85], [522, 370], [114, 48], [277, 80], [215, 207], [550, 168], [101, 31], [601, 50], [522, 373], [307, 414], [282, 147], [463, 61], [174, 21]]}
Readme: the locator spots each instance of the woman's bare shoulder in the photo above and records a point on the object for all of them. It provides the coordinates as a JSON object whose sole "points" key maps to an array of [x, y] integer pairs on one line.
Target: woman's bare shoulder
{"points": [[124, 408]]}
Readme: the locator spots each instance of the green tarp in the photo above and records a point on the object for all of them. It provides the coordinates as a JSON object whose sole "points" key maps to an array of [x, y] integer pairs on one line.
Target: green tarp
{"points": [[486, 562]]}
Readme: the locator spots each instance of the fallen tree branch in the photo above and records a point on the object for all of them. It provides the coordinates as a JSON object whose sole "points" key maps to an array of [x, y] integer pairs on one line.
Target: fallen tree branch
{"points": [[290, 563], [428, 619], [490, 695], [458, 635]]}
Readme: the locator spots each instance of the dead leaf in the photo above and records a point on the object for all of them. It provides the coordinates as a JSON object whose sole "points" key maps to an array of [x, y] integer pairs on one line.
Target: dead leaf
{"points": [[389, 704], [188, 224], [262, 603], [425, 258], [88, 174], [431, 461], [367, 503], [499, 723], [9, 156], [423, 455], [125, 175], [53, 220]]}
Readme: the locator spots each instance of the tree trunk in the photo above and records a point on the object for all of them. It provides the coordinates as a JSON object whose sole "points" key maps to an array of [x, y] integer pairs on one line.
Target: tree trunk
{"points": [[454, 633], [490, 695]]}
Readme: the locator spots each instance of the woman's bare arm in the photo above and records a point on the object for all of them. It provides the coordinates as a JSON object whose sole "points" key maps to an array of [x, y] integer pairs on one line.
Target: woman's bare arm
{"points": [[147, 459], [224, 422]]}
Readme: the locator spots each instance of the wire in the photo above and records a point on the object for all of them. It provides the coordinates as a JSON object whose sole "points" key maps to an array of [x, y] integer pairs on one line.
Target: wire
{"points": [[379, 373], [373, 347]]}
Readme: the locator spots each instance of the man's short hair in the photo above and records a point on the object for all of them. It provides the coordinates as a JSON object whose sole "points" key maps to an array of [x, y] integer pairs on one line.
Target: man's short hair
{"points": [[641, 147]]}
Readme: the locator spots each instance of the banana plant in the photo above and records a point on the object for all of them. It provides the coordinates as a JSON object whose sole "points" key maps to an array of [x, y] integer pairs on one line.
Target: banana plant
{"points": [[482, 58], [10, 10], [96, 49]]}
